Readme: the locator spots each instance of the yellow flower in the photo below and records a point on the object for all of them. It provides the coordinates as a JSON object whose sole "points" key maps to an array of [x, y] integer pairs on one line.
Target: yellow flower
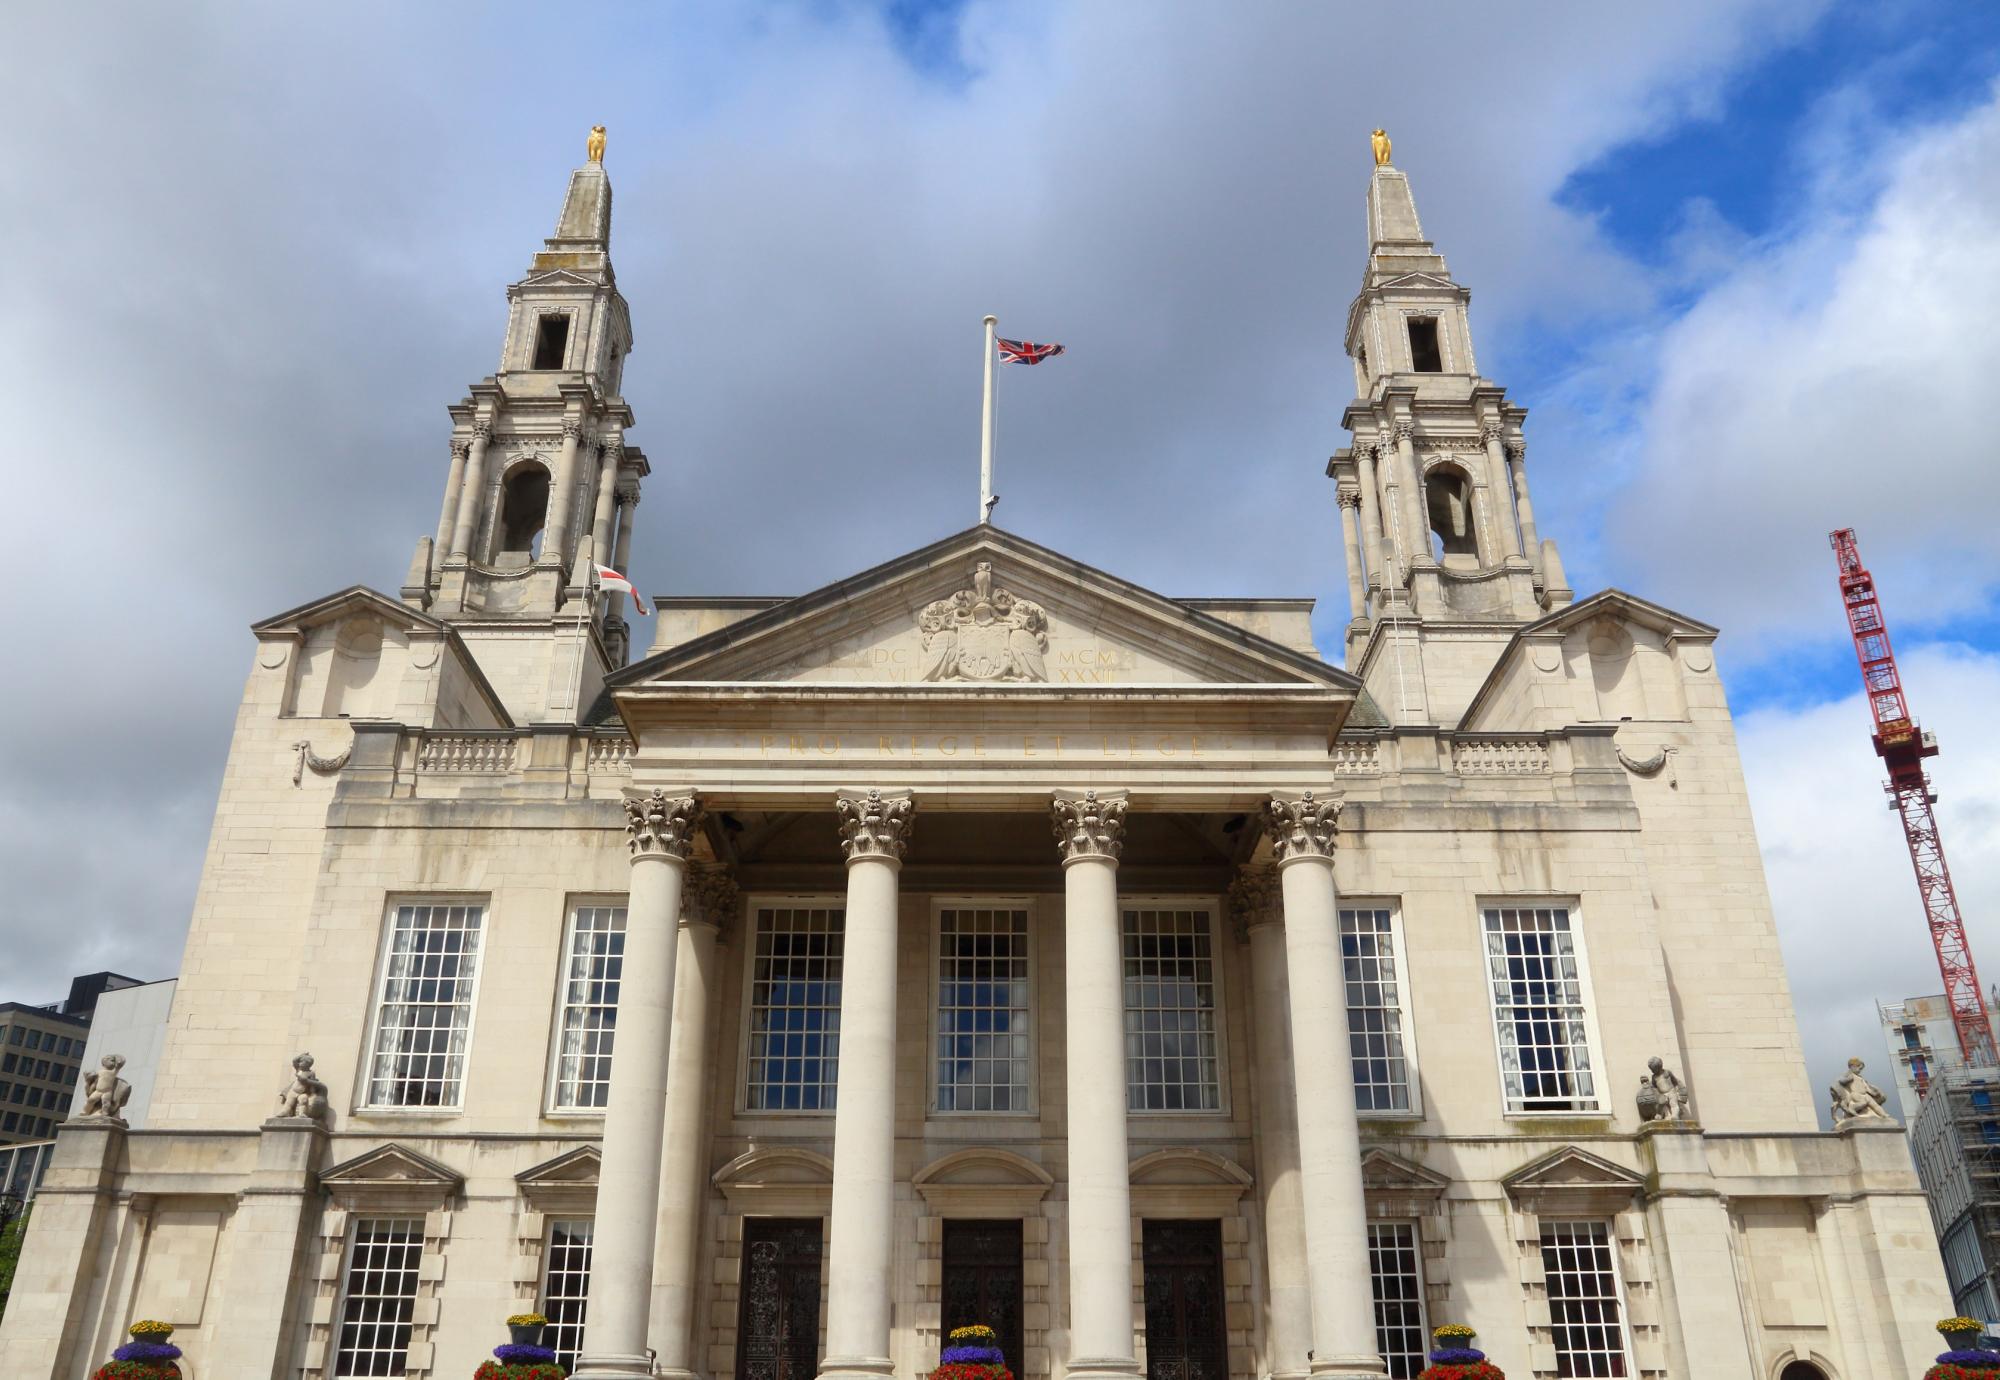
{"points": [[1961, 1324], [978, 1332], [526, 1320], [1451, 1331], [150, 1327]]}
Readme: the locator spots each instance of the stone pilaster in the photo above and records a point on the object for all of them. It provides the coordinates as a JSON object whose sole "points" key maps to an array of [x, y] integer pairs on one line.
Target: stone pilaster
{"points": [[874, 832], [271, 1239]]}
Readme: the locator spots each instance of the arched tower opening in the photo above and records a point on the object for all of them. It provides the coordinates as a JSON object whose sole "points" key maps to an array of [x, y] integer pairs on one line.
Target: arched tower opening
{"points": [[1448, 505], [524, 508]]}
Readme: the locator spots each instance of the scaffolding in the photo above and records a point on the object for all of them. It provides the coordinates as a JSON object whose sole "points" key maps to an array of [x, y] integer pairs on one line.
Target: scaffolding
{"points": [[1956, 1143]]}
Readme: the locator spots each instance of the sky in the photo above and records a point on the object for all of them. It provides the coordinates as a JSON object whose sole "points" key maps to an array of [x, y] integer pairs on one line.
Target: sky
{"points": [[1740, 258]]}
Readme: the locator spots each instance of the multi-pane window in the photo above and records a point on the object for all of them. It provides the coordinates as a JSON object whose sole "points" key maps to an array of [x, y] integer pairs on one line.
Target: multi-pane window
{"points": [[794, 1054], [424, 1017], [1538, 1009], [1399, 1297], [1375, 1011], [596, 956], [982, 1023], [379, 1296], [1584, 1311], [1171, 1061], [565, 1286]]}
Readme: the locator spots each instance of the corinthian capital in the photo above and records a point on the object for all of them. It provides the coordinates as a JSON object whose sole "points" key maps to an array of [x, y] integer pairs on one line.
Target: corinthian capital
{"points": [[482, 430], [658, 825], [1517, 449], [572, 428], [1301, 828], [874, 825], [1489, 432], [461, 446], [1405, 431], [1255, 898], [711, 896], [1089, 826]]}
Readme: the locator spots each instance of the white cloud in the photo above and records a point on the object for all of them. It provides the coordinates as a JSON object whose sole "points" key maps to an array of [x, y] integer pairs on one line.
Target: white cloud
{"points": [[1847, 905], [1839, 376]]}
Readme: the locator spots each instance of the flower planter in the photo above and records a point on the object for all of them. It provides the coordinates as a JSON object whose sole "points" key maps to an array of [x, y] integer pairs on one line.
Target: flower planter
{"points": [[525, 1334]]}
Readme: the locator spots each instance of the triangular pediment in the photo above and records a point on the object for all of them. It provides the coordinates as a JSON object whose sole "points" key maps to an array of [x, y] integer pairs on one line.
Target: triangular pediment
{"points": [[578, 1166], [988, 607], [391, 1163], [1573, 1180], [1382, 1172], [557, 277], [345, 604], [1420, 280]]}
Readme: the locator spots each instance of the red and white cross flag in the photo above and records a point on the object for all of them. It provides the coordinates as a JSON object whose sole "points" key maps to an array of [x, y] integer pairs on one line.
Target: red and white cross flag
{"points": [[607, 578]]}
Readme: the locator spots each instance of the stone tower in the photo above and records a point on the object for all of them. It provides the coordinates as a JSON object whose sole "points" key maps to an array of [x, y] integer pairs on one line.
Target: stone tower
{"points": [[541, 481], [1443, 562]]}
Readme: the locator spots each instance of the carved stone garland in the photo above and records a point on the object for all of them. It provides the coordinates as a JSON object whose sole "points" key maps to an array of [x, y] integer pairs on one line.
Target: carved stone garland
{"points": [[661, 825], [1090, 827], [984, 634], [875, 825], [1302, 828]]}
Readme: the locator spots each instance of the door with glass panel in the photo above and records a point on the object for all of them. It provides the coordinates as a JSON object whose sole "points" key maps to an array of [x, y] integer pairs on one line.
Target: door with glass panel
{"points": [[1186, 1334], [982, 1281], [777, 1326]]}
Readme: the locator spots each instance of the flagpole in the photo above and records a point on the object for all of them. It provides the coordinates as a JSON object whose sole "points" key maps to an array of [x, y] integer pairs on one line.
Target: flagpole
{"points": [[986, 431]]}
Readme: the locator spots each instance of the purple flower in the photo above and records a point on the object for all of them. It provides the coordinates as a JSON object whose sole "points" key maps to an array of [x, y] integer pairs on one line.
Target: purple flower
{"points": [[147, 1353], [973, 1356], [1456, 1356], [1971, 1360], [508, 1354]]}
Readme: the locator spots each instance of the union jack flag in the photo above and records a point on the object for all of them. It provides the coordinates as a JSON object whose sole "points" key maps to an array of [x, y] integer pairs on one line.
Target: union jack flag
{"points": [[1025, 351]]}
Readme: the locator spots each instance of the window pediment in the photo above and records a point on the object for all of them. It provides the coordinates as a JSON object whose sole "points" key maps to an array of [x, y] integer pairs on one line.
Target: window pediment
{"points": [[391, 1178], [1182, 1181], [1573, 1182], [565, 1185], [1397, 1187], [778, 1180], [983, 1180]]}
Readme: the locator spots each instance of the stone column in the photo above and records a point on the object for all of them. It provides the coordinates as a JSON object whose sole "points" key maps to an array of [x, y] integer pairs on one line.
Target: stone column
{"points": [[1254, 896], [1350, 539], [660, 831], [1335, 1207], [875, 832], [607, 491], [1380, 568], [454, 479], [710, 902], [562, 488], [1503, 492], [1090, 833], [1517, 456], [471, 494], [613, 600], [1419, 515]]}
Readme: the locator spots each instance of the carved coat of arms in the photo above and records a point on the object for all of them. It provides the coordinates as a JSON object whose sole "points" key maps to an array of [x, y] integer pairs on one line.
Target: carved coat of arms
{"points": [[983, 633]]}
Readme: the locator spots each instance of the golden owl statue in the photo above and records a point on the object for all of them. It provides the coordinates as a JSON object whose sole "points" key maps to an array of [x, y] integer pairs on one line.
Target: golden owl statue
{"points": [[1379, 141], [595, 145]]}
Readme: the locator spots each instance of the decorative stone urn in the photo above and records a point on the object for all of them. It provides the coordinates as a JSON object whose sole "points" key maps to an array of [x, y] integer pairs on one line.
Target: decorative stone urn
{"points": [[525, 1329]]}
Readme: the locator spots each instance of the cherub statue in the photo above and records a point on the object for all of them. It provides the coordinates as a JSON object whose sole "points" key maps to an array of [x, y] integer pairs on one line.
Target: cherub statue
{"points": [[1662, 1095], [305, 1095], [1379, 141], [594, 146], [1855, 1098], [105, 1093]]}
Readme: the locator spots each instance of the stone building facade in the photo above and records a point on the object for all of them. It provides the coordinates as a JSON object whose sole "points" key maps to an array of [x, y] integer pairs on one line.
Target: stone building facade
{"points": [[984, 937]]}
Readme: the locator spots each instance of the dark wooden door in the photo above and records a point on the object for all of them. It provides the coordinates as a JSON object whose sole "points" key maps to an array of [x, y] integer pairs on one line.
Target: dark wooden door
{"points": [[777, 1322], [1186, 1336], [982, 1281]]}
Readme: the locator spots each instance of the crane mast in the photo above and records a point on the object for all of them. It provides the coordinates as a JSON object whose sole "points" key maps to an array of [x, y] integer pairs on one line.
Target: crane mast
{"points": [[1902, 746]]}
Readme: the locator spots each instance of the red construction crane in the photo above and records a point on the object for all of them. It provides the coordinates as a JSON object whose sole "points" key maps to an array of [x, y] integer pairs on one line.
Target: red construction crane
{"points": [[1902, 746]]}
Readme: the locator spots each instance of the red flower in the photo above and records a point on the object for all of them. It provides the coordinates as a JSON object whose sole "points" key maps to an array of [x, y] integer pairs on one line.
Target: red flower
{"points": [[1477, 1370]]}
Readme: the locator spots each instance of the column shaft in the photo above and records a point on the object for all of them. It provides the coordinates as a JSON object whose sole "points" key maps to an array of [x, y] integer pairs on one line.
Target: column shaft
{"points": [[684, 1161], [861, 1242], [453, 482], [1290, 1331], [555, 530], [613, 600], [471, 495], [1517, 455], [607, 491], [1091, 832], [1503, 492], [628, 1179], [1335, 1206], [1350, 540], [1380, 568], [1419, 516]]}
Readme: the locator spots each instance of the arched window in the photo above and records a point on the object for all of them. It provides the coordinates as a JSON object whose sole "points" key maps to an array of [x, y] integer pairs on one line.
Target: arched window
{"points": [[1448, 500], [1801, 1370], [524, 507]]}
